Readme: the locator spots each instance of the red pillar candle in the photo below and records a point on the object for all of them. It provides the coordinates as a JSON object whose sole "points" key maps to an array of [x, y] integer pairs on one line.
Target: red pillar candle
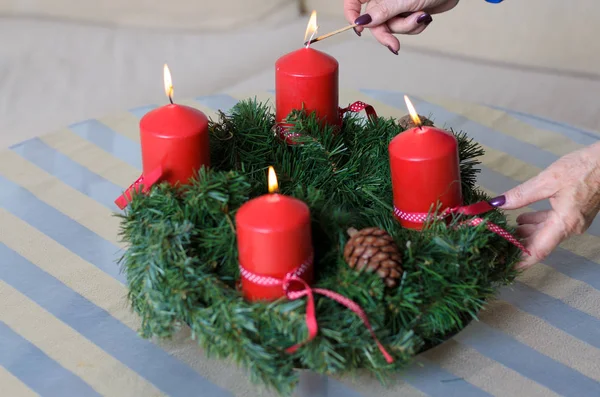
{"points": [[307, 79], [425, 170], [174, 137], [274, 239], [175, 144]]}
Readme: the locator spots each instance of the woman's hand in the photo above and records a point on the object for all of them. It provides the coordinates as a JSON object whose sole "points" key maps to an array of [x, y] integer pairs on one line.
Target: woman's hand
{"points": [[386, 17], [572, 184]]}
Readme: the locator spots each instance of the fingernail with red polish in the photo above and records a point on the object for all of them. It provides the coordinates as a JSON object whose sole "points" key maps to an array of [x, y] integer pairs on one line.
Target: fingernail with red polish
{"points": [[357, 32], [363, 20], [498, 201], [392, 50], [424, 19]]}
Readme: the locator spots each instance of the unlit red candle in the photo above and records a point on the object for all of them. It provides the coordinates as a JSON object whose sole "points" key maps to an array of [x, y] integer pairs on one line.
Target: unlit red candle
{"points": [[274, 238], [425, 171]]}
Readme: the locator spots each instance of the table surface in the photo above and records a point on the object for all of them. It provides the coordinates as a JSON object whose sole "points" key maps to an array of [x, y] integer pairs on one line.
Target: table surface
{"points": [[66, 330]]}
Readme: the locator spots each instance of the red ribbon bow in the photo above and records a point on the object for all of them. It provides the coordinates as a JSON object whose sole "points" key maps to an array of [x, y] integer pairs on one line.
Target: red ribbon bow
{"points": [[473, 209], [308, 291]]}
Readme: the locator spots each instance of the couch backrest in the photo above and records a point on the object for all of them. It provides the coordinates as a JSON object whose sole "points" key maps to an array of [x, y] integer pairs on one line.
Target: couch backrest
{"points": [[173, 14], [554, 34]]}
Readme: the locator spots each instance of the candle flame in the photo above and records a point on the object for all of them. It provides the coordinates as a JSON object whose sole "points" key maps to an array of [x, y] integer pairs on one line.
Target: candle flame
{"points": [[168, 82], [311, 28], [413, 113], [273, 185]]}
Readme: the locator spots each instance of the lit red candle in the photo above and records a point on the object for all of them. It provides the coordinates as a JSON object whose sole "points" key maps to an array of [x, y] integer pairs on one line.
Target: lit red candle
{"points": [[307, 79], [425, 170], [175, 143], [274, 238]]}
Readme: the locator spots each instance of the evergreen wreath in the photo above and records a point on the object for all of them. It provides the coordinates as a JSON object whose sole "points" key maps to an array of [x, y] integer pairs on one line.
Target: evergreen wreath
{"points": [[182, 268]]}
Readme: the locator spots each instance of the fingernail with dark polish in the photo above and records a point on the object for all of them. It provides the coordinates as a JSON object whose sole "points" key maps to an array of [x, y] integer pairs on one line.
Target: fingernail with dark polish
{"points": [[357, 32], [363, 20], [392, 50], [498, 201], [424, 19]]}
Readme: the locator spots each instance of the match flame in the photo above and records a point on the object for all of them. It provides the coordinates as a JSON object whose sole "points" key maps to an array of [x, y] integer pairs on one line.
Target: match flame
{"points": [[311, 28], [273, 185], [413, 113], [168, 82]]}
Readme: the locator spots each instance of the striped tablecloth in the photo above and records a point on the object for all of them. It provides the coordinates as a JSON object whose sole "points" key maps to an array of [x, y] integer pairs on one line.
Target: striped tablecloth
{"points": [[66, 330]]}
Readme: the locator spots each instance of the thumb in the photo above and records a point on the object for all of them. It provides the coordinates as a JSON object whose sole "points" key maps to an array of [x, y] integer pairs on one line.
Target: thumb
{"points": [[536, 189], [542, 243], [384, 10]]}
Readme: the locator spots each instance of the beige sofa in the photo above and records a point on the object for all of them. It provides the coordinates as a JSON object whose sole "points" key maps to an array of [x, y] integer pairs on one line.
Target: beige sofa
{"points": [[67, 60]]}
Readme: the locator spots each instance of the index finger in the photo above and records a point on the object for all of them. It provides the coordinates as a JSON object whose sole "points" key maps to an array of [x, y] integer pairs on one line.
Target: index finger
{"points": [[352, 9]]}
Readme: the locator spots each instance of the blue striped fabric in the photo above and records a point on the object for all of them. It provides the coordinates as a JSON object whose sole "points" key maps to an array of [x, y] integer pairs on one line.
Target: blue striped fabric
{"points": [[496, 356]]}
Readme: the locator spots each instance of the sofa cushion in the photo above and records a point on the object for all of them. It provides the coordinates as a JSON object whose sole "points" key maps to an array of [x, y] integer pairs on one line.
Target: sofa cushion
{"points": [[173, 14]]}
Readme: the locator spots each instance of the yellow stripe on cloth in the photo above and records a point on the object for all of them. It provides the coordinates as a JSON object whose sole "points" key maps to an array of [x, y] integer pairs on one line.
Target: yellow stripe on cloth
{"points": [[92, 157], [506, 124], [73, 271], [123, 123], [543, 337], [104, 373], [484, 372], [574, 293], [11, 386], [67, 200]]}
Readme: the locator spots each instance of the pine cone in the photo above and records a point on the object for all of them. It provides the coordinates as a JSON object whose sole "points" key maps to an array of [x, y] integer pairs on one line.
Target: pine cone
{"points": [[374, 249], [407, 123]]}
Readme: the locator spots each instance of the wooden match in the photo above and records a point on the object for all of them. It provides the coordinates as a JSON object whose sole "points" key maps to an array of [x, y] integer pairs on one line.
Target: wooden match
{"points": [[330, 34]]}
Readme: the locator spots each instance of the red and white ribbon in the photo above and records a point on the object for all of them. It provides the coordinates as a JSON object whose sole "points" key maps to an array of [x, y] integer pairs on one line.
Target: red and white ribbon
{"points": [[144, 181], [283, 130], [306, 290], [357, 107], [473, 209]]}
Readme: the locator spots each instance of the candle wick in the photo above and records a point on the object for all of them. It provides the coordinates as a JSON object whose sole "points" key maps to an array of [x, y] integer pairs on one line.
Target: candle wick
{"points": [[312, 36], [171, 99]]}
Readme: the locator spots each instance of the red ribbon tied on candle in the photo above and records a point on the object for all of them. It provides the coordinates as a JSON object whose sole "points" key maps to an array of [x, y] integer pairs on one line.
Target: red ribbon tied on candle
{"points": [[144, 180], [473, 209], [308, 291], [356, 107]]}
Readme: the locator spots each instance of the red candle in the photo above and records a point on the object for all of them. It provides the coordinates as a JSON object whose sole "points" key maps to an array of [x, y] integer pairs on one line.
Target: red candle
{"points": [[307, 79], [425, 170], [175, 144], [174, 137], [273, 238]]}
